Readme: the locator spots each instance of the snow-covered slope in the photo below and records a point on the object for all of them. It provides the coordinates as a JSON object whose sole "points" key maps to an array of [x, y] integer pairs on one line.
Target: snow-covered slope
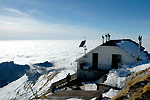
{"points": [[11, 90], [22, 89], [117, 77], [137, 87]]}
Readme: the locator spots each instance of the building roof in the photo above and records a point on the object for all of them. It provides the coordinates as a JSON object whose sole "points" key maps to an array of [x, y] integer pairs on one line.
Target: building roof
{"points": [[113, 42], [127, 45]]}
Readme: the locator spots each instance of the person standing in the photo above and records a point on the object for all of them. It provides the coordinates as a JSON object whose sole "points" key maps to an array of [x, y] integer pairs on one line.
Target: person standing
{"points": [[68, 77]]}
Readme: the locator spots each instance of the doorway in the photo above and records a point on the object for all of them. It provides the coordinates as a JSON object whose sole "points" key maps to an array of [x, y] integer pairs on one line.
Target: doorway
{"points": [[95, 61], [116, 58]]}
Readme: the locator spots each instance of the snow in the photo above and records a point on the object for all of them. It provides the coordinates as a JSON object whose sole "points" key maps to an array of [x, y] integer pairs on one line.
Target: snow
{"points": [[127, 45], [94, 98], [89, 87], [116, 77], [62, 74], [139, 67], [111, 93], [21, 88], [113, 79], [9, 91]]}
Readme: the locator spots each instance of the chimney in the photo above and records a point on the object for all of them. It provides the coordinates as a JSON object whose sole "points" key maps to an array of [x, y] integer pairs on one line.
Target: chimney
{"points": [[140, 42], [106, 37], [103, 39]]}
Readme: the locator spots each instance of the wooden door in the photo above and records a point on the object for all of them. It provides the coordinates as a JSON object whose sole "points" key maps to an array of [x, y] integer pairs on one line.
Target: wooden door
{"points": [[116, 58], [95, 61]]}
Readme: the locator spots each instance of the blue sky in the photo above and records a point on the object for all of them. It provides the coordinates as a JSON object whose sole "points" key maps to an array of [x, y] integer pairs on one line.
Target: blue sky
{"points": [[74, 19]]}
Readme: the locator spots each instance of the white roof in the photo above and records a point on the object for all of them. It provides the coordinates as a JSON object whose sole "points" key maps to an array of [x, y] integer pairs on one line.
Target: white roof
{"points": [[127, 45]]}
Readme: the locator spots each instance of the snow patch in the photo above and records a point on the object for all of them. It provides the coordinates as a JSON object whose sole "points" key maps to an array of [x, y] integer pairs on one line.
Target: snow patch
{"points": [[94, 98], [111, 93], [113, 79], [139, 67], [89, 87]]}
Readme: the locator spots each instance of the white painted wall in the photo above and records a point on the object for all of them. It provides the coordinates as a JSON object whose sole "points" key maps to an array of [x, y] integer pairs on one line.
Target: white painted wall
{"points": [[105, 57]]}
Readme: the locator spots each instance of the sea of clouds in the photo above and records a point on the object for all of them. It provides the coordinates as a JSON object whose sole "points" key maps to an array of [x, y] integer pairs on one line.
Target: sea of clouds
{"points": [[62, 53]]}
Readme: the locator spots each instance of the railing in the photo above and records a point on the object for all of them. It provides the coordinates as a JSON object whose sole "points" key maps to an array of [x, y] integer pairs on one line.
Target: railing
{"points": [[62, 82], [116, 88], [65, 97]]}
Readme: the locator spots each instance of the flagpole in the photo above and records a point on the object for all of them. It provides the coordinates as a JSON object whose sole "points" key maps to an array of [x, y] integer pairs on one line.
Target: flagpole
{"points": [[85, 46]]}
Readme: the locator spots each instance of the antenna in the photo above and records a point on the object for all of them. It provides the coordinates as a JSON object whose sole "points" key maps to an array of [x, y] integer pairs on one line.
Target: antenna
{"points": [[140, 43], [108, 36], [85, 45], [103, 39], [84, 37]]}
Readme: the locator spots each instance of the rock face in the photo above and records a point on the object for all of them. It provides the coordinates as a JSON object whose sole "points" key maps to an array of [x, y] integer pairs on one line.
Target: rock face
{"points": [[10, 72], [45, 64], [137, 87]]}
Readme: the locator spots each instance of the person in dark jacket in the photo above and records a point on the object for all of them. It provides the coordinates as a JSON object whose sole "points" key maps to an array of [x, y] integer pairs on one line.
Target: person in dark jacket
{"points": [[68, 79], [53, 89]]}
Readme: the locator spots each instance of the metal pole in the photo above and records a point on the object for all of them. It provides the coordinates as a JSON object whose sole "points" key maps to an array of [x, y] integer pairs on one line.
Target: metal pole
{"points": [[140, 42]]}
